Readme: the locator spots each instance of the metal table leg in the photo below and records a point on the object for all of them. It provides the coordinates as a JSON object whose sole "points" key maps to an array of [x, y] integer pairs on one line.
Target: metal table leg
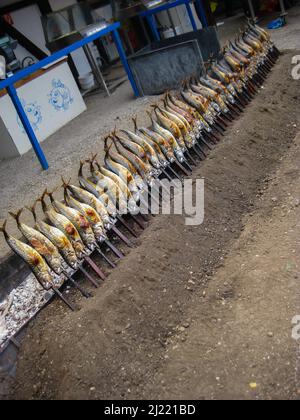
{"points": [[95, 68], [122, 55], [152, 24], [283, 11], [27, 126], [171, 22], [252, 10], [191, 16], [202, 13], [145, 30]]}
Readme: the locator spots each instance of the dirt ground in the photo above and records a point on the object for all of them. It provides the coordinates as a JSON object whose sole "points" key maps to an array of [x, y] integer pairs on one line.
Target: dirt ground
{"points": [[195, 312]]}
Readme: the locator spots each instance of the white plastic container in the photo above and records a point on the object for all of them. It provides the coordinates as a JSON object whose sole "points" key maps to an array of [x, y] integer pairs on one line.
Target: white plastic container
{"points": [[169, 33], [87, 81]]}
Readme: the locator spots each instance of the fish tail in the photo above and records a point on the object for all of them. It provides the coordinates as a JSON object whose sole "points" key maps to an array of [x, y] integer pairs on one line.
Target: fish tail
{"points": [[91, 162], [42, 199], [16, 216], [150, 116], [65, 184], [3, 229], [95, 160], [134, 119], [80, 172], [32, 209], [50, 195]]}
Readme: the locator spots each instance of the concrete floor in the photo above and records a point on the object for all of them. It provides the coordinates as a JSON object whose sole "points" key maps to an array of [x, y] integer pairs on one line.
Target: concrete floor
{"points": [[21, 179]]}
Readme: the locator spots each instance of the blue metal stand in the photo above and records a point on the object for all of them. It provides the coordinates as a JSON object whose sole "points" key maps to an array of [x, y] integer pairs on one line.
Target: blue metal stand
{"points": [[22, 74], [122, 55], [191, 16], [204, 21], [27, 127], [150, 13]]}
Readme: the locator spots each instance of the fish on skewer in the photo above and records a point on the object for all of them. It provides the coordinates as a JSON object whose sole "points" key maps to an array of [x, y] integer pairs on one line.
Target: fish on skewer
{"points": [[41, 244], [171, 126], [110, 203], [61, 222], [142, 168], [122, 166], [58, 238], [115, 203], [68, 228], [119, 191], [94, 219], [34, 260], [78, 219], [124, 186], [189, 137], [36, 263], [49, 252], [99, 215], [162, 149], [113, 185], [151, 150], [147, 141]]}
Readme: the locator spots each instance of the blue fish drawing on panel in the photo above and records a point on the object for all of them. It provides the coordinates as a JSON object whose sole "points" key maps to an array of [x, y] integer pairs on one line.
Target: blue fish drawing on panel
{"points": [[60, 96], [33, 112]]}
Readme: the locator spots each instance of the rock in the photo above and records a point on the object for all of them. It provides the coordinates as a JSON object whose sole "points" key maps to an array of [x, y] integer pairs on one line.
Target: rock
{"points": [[297, 203], [270, 334]]}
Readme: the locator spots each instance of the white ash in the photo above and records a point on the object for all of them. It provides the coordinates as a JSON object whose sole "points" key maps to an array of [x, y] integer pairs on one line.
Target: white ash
{"points": [[21, 304]]}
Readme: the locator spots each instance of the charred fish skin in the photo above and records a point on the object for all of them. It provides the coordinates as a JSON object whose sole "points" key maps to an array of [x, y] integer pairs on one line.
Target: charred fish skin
{"points": [[56, 236], [79, 221], [113, 157], [143, 170], [148, 149], [92, 216], [131, 192], [61, 242], [64, 224], [42, 245], [116, 189], [29, 255], [90, 199], [170, 139]]}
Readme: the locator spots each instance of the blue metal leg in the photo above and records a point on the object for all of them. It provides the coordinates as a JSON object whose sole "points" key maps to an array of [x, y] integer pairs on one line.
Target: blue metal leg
{"points": [[202, 13], [153, 27], [27, 126], [191, 16], [122, 55]]}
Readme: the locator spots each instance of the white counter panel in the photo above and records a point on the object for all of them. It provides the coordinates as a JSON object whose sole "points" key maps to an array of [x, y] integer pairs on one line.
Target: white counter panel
{"points": [[51, 101]]}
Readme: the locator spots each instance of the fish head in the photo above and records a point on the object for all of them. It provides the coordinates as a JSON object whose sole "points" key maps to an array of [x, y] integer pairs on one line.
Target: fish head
{"points": [[79, 249], [133, 207], [99, 232], [179, 154]]}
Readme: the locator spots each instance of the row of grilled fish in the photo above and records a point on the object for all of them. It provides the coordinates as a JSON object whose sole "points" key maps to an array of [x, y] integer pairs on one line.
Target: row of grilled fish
{"points": [[183, 126]]}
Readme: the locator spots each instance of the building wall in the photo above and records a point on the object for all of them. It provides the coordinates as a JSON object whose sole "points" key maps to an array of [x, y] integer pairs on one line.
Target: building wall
{"points": [[60, 4], [28, 22]]}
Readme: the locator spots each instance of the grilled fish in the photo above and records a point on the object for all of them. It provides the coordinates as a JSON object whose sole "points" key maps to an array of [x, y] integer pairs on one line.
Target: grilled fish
{"points": [[35, 261]]}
